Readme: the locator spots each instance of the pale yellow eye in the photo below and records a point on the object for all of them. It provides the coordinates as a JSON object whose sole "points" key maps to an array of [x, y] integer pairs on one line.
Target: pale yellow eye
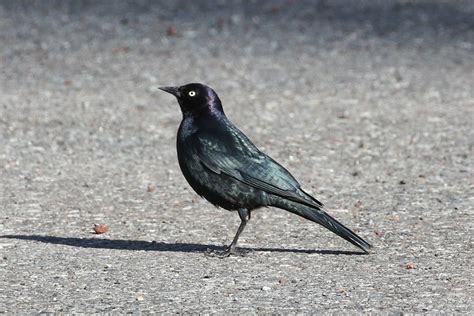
{"points": [[192, 93]]}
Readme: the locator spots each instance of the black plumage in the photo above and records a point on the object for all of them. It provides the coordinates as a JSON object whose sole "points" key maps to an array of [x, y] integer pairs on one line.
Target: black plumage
{"points": [[222, 165]]}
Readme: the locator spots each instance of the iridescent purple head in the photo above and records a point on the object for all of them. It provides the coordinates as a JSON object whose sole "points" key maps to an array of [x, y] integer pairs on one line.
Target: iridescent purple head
{"points": [[196, 99]]}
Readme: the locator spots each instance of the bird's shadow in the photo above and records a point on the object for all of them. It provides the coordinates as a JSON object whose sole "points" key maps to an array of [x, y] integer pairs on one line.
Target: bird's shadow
{"points": [[123, 244]]}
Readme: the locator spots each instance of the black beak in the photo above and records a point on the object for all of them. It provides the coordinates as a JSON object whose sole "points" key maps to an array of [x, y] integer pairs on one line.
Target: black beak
{"points": [[173, 90]]}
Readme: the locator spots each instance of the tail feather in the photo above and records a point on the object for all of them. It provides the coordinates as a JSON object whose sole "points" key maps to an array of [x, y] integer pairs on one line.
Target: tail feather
{"points": [[321, 217]]}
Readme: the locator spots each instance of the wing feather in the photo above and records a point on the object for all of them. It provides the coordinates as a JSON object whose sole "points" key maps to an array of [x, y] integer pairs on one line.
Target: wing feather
{"points": [[237, 157]]}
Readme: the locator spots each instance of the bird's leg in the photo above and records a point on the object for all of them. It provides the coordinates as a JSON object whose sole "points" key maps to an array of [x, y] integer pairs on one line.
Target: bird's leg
{"points": [[232, 248], [244, 215]]}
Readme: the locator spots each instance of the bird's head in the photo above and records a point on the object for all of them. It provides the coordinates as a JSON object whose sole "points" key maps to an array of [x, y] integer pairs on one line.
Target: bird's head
{"points": [[196, 99]]}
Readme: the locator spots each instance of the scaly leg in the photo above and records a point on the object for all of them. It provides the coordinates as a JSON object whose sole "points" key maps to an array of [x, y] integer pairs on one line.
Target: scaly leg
{"points": [[232, 248]]}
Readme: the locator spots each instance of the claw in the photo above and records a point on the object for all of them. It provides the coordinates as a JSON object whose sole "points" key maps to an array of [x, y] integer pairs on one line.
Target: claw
{"points": [[226, 253]]}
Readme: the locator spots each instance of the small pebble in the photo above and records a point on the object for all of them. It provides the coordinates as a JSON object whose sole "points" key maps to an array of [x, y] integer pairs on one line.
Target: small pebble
{"points": [[410, 266], [100, 229], [172, 31]]}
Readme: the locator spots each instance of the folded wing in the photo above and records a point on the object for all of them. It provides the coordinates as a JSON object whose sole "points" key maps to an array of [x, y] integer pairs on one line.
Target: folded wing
{"points": [[238, 157]]}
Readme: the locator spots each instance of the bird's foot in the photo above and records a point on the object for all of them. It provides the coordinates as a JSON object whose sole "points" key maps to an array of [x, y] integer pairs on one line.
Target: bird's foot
{"points": [[226, 253]]}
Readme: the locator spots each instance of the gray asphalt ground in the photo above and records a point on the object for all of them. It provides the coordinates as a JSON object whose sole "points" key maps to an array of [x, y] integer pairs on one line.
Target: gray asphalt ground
{"points": [[368, 103]]}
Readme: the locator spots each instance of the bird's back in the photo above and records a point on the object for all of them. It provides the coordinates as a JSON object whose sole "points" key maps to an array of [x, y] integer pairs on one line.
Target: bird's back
{"points": [[212, 149]]}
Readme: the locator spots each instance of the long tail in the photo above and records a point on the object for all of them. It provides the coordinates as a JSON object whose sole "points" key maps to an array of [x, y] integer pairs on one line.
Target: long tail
{"points": [[321, 217]]}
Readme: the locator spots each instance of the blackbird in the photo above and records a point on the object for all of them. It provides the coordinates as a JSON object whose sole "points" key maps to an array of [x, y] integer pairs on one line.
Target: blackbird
{"points": [[222, 165]]}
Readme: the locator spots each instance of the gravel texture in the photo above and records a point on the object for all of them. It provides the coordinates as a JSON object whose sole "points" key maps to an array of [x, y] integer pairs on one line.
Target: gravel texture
{"points": [[370, 104]]}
